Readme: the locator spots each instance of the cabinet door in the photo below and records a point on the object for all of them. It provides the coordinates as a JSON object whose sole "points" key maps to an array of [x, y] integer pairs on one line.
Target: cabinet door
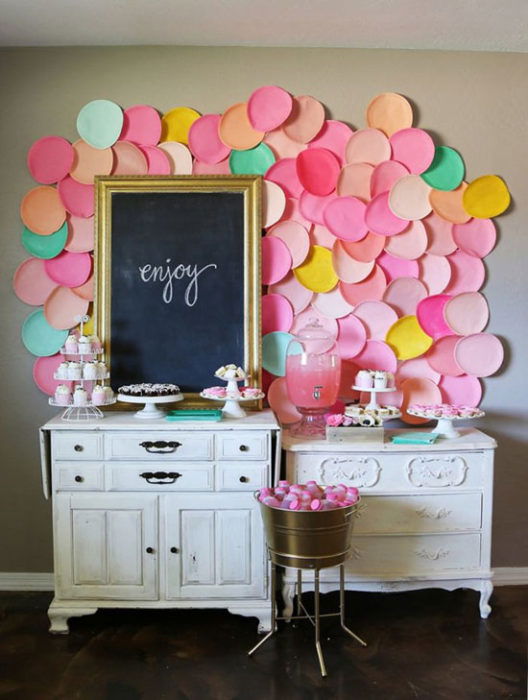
{"points": [[214, 546], [106, 546]]}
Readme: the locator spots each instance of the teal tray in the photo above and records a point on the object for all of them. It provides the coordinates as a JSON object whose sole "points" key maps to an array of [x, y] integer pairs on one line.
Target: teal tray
{"points": [[205, 414]]}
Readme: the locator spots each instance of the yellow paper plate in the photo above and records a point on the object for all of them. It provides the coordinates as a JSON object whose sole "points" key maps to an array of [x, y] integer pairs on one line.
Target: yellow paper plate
{"points": [[485, 197], [176, 123], [317, 272], [407, 339]]}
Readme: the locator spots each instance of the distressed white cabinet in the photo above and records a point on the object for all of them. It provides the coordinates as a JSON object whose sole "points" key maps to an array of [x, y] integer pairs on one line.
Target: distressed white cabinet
{"points": [[425, 514], [158, 514]]}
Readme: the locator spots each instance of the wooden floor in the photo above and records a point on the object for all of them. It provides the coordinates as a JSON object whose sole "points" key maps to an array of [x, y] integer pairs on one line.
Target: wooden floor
{"points": [[423, 644]]}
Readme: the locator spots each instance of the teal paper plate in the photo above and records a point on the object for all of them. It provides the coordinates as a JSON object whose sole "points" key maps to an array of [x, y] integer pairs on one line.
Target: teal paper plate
{"points": [[253, 161], [39, 337], [45, 247]]}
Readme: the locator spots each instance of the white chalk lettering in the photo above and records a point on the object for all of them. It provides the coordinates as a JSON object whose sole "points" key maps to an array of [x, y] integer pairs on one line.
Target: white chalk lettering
{"points": [[168, 273]]}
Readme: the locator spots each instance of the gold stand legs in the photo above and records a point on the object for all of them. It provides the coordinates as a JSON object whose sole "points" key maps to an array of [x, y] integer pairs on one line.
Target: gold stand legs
{"points": [[315, 619]]}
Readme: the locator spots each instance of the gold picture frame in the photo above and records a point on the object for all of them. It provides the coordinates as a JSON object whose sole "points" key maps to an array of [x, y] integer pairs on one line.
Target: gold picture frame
{"points": [[175, 256]]}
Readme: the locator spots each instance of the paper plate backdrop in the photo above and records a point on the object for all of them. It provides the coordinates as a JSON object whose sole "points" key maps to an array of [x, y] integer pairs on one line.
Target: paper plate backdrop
{"points": [[373, 231]]}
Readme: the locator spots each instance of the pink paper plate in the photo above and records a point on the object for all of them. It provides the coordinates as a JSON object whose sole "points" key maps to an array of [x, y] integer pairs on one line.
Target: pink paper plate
{"points": [[464, 390], [280, 403], [277, 313], [312, 207], [380, 219], [449, 205], [268, 107], [351, 337], [480, 355], [42, 210], [141, 125], [282, 145], [477, 237], [80, 234], [306, 119], [410, 244], [430, 315], [204, 142], [389, 112], [292, 212], [348, 375], [367, 249], [312, 314], [345, 218], [467, 273], [69, 269], [368, 146], [418, 390], [441, 356], [86, 290], [276, 259], [62, 306], [158, 162], [43, 370], [31, 282], [318, 170], [296, 293], [348, 269], [354, 181], [180, 158], [385, 175], [414, 148], [284, 174], [416, 368], [332, 304], [377, 355], [467, 313], [377, 318], [409, 198], [129, 159], [49, 159], [320, 235], [397, 267], [296, 239], [221, 168], [404, 294], [435, 272], [369, 289], [439, 232], [235, 129], [334, 136], [89, 162], [273, 203], [78, 199]]}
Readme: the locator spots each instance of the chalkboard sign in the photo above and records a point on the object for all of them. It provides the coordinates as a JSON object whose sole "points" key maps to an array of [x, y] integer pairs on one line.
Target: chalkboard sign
{"points": [[178, 278]]}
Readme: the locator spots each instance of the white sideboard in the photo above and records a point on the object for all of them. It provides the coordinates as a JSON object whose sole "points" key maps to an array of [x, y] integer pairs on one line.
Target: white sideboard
{"points": [[425, 514], [158, 514]]}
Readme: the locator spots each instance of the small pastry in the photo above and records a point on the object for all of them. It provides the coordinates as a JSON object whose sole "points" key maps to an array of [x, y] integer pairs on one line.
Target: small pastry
{"points": [[63, 395], [380, 380], [80, 396], [74, 370], [101, 369], [71, 345], [85, 347], [109, 394], [62, 370], [98, 395], [251, 392], [364, 379], [390, 379], [95, 343], [217, 392], [90, 370]]}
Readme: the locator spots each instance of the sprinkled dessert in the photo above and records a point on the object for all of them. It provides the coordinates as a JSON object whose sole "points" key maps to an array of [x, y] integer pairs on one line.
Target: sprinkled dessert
{"points": [[149, 390]]}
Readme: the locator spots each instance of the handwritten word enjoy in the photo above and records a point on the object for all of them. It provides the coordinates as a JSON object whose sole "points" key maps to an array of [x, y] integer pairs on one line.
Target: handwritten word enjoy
{"points": [[167, 274]]}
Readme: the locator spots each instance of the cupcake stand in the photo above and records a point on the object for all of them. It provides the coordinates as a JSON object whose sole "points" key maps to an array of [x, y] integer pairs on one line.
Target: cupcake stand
{"points": [[233, 398], [444, 424], [372, 407], [150, 409]]}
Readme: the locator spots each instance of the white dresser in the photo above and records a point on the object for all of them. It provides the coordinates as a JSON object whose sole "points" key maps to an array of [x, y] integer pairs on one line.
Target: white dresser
{"points": [[158, 514], [425, 516]]}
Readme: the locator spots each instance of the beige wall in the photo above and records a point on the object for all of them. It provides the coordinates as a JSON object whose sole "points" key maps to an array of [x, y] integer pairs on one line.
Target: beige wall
{"points": [[475, 102]]}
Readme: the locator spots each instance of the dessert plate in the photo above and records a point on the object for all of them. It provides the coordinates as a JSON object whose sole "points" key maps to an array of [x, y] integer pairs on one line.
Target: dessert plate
{"points": [[49, 159], [268, 107], [204, 142], [414, 148], [318, 170], [141, 125], [69, 269]]}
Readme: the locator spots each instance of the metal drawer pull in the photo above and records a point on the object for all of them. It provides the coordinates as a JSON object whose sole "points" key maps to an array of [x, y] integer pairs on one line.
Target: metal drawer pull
{"points": [[243, 448], [244, 479], [162, 447], [160, 477], [174, 550], [149, 550], [79, 479], [78, 448]]}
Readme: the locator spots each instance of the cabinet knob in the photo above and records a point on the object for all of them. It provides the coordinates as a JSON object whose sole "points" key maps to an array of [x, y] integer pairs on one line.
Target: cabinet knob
{"points": [[244, 479], [79, 479], [243, 448], [78, 448], [174, 550], [150, 550]]}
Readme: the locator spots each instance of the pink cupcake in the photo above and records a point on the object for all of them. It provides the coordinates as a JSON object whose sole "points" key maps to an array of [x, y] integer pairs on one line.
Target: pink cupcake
{"points": [[63, 395], [251, 392], [217, 392]]}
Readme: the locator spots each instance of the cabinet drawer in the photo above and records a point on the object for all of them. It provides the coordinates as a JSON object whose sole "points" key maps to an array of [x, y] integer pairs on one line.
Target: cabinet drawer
{"points": [[83, 476], [77, 446], [408, 555], [241, 477], [409, 513], [174, 477], [243, 445], [166, 446]]}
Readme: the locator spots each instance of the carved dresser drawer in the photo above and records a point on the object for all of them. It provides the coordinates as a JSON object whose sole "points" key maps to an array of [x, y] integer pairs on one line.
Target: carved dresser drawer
{"points": [[167, 446]]}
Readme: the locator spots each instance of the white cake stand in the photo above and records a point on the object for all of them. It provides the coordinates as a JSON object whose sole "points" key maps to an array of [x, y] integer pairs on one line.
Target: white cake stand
{"points": [[373, 391], [150, 409], [232, 407], [77, 413], [444, 426]]}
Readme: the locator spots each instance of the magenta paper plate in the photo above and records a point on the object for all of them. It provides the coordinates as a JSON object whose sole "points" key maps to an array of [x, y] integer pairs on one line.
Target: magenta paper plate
{"points": [[268, 107], [347, 269], [354, 181], [62, 306], [221, 168], [430, 315], [441, 356], [345, 218], [69, 269], [435, 272], [368, 146], [204, 141], [318, 170], [273, 203], [306, 119], [467, 273], [296, 293], [31, 282], [78, 199], [141, 125], [334, 136], [467, 313], [385, 175], [439, 232], [417, 367], [276, 260], [296, 239], [380, 219], [277, 313], [414, 148], [49, 159], [158, 162], [410, 244], [461, 391], [480, 355], [369, 289], [332, 303], [284, 174], [43, 370], [397, 267], [377, 355], [129, 159], [351, 337], [477, 237], [409, 198], [279, 401], [404, 295], [377, 317]]}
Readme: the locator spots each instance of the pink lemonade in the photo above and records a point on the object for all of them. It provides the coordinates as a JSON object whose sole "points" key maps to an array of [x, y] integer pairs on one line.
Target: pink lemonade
{"points": [[313, 381]]}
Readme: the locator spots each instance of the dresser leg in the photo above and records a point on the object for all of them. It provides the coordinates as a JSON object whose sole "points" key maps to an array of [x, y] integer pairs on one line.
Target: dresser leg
{"points": [[59, 616], [486, 589]]}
